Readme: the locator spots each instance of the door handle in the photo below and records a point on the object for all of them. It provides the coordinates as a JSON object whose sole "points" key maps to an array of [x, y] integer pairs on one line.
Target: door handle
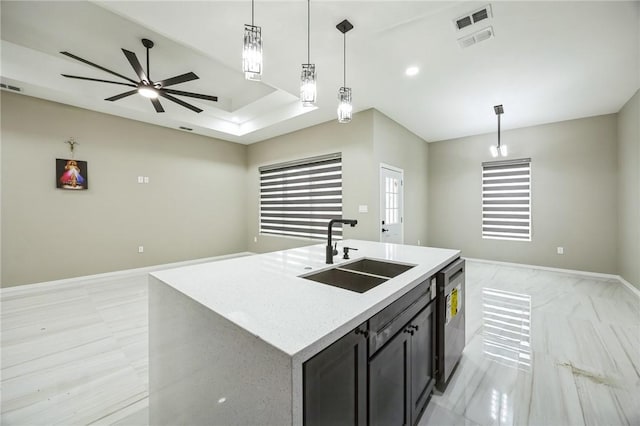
{"points": [[385, 230]]}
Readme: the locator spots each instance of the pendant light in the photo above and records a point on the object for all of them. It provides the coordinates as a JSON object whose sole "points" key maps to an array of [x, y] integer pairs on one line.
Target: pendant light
{"points": [[345, 107], [499, 149], [308, 76], [252, 50]]}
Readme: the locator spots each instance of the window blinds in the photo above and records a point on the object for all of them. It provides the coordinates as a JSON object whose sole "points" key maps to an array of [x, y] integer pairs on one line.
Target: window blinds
{"points": [[299, 198], [506, 200]]}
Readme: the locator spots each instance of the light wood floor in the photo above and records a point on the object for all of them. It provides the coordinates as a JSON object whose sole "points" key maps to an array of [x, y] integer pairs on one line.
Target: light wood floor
{"points": [[77, 354]]}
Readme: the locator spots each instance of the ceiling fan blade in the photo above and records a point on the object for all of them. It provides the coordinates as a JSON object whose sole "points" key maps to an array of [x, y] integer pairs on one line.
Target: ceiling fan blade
{"points": [[157, 105], [99, 80], [191, 95], [77, 58], [133, 60], [179, 102], [122, 95], [178, 79]]}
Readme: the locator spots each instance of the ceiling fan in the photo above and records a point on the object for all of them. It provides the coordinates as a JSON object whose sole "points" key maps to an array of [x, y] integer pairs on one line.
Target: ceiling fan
{"points": [[146, 87]]}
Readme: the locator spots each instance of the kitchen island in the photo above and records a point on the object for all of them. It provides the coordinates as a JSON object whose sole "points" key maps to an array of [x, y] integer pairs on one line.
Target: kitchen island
{"points": [[228, 339]]}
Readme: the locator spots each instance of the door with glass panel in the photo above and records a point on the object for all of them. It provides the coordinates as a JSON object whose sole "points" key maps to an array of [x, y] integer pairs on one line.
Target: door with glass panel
{"points": [[391, 204]]}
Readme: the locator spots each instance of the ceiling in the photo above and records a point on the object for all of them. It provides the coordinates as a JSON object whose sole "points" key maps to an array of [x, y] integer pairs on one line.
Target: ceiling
{"points": [[548, 61]]}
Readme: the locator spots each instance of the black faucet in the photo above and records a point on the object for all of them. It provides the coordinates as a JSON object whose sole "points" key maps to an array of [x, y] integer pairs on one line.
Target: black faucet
{"points": [[330, 250]]}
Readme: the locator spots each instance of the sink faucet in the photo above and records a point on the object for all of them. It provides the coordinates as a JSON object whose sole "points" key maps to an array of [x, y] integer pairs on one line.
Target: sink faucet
{"points": [[330, 250]]}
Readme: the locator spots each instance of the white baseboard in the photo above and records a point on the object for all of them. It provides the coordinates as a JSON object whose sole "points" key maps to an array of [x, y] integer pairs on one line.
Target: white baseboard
{"points": [[630, 286], [563, 271], [118, 274]]}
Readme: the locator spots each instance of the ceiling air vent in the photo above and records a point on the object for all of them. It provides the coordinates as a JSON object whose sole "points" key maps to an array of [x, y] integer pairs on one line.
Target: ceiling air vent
{"points": [[10, 87], [477, 37], [463, 22], [473, 17], [480, 15]]}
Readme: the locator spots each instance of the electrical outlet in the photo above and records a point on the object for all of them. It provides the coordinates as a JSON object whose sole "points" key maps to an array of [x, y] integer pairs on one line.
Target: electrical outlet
{"points": [[146, 179], [255, 239], [140, 179], [363, 208], [560, 250], [140, 249], [418, 242]]}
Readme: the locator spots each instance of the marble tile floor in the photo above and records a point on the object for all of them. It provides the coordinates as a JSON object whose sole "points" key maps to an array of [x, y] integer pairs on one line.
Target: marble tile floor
{"points": [[543, 348]]}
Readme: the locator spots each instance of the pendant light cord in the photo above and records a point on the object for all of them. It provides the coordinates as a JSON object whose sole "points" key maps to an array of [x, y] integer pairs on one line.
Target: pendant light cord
{"points": [[252, 13], [344, 60], [308, 31], [498, 130]]}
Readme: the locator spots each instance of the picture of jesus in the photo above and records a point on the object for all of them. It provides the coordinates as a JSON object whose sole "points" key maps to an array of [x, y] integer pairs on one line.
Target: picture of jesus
{"points": [[71, 174]]}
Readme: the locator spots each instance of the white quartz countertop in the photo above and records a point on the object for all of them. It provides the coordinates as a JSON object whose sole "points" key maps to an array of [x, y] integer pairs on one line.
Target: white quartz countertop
{"points": [[265, 295]]}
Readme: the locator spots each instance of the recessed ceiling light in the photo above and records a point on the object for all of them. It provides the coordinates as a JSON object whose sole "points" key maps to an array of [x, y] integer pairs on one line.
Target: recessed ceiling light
{"points": [[411, 71]]}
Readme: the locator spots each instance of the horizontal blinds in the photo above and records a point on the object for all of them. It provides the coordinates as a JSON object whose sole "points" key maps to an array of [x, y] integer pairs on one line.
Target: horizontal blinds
{"points": [[299, 199], [506, 200]]}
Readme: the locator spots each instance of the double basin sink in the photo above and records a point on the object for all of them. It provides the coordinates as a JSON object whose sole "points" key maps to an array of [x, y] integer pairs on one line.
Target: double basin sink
{"points": [[359, 276]]}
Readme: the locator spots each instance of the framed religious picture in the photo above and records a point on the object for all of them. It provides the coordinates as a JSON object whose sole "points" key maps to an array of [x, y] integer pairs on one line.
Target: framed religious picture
{"points": [[71, 174]]}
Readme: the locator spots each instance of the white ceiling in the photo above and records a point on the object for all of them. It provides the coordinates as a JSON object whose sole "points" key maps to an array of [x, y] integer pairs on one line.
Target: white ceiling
{"points": [[548, 61]]}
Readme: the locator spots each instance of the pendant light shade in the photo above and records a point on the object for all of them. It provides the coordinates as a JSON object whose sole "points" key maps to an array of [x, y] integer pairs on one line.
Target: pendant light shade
{"points": [[345, 107], [308, 76], [308, 85], [498, 150], [252, 50]]}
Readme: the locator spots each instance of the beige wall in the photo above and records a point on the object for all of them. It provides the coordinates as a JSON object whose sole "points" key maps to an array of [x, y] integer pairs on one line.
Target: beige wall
{"points": [[629, 191], [193, 207], [574, 194], [202, 199], [354, 140], [396, 146], [370, 138]]}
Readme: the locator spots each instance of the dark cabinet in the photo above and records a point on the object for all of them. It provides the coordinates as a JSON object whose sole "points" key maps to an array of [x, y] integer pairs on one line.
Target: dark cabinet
{"points": [[422, 351], [389, 384], [401, 374], [382, 373], [335, 383]]}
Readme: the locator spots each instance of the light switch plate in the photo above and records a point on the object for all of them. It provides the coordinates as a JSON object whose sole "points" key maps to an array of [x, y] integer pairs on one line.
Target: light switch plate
{"points": [[140, 179], [363, 208]]}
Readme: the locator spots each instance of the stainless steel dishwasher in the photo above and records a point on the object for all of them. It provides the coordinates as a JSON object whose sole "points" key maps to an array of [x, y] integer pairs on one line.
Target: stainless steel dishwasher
{"points": [[450, 307]]}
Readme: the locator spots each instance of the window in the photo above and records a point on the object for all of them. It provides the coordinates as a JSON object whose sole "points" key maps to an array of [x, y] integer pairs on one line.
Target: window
{"points": [[392, 205], [299, 198], [506, 200]]}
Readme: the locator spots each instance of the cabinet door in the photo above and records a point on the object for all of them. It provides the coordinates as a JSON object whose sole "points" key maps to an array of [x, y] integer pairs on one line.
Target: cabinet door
{"points": [[422, 342], [389, 383], [335, 383]]}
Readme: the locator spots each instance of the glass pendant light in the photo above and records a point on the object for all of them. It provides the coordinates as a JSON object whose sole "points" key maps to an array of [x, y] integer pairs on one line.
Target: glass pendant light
{"points": [[498, 150], [308, 76], [252, 50], [345, 107]]}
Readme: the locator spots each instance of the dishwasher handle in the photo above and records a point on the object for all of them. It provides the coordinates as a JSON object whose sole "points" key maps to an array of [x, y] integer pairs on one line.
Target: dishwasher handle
{"points": [[453, 268]]}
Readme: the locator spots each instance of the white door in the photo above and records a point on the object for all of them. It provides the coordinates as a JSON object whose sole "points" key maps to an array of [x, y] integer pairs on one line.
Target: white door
{"points": [[391, 204]]}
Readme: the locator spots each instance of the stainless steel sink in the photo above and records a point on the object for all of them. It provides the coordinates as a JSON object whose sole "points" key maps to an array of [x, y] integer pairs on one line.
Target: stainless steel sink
{"points": [[359, 276], [377, 267], [346, 279]]}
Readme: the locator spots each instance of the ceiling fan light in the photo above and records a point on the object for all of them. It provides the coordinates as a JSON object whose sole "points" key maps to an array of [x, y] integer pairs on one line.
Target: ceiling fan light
{"points": [[308, 89], [494, 151], [345, 108], [148, 92], [252, 53], [503, 150]]}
